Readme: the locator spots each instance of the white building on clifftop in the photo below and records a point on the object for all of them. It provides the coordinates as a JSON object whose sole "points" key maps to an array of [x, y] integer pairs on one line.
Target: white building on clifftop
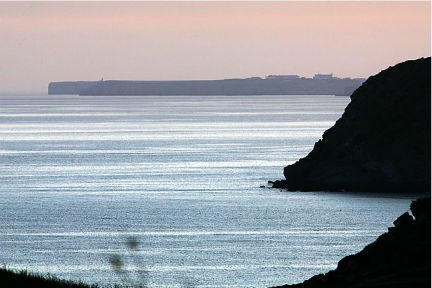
{"points": [[323, 76]]}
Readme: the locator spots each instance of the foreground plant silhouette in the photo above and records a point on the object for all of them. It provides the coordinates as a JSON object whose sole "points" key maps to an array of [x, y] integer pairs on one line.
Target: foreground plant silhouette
{"points": [[140, 280]]}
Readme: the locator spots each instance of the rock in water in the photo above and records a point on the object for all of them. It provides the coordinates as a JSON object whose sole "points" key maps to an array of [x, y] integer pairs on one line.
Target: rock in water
{"points": [[382, 141]]}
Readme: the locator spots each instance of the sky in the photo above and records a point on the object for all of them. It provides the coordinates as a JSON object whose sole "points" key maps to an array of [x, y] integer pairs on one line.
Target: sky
{"points": [[42, 42]]}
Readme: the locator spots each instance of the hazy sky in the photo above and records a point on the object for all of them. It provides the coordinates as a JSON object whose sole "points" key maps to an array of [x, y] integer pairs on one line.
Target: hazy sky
{"points": [[43, 42]]}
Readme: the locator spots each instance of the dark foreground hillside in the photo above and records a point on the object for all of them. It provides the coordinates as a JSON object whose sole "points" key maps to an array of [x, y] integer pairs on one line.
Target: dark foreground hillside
{"points": [[382, 141], [400, 258], [10, 279]]}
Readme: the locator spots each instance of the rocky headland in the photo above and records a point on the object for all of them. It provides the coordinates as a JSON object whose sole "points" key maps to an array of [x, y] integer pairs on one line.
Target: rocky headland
{"points": [[400, 258], [382, 142]]}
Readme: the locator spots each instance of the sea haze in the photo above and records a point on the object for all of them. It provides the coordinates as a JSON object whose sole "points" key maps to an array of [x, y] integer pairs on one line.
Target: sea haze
{"points": [[79, 175]]}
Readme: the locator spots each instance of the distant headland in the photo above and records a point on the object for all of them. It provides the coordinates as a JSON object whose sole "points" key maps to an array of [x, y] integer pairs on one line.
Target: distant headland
{"points": [[320, 84]]}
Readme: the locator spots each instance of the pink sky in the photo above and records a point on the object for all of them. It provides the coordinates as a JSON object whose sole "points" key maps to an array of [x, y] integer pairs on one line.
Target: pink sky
{"points": [[43, 42]]}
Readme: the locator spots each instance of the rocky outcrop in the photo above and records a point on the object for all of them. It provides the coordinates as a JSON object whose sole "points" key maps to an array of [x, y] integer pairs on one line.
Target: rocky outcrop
{"points": [[382, 141], [399, 258]]}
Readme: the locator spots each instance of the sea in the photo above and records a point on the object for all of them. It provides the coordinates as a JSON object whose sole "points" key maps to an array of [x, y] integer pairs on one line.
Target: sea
{"points": [[167, 191]]}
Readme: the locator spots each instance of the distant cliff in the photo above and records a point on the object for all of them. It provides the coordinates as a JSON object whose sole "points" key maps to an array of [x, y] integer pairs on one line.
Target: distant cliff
{"points": [[400, 258], [382, 141], [272, 85], [69, 88]]}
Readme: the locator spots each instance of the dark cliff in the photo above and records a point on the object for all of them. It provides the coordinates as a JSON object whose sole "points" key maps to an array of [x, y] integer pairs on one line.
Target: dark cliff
{"points": [[400, 258], [382, 141]]}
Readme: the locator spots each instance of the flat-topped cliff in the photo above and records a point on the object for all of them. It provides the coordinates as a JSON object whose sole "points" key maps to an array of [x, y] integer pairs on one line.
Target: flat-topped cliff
{"points": [[272, 85], [382, 141], [69, 87]]}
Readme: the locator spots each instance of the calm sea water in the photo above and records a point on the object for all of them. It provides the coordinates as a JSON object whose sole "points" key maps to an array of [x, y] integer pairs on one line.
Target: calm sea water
{"points": [[79, 175]]}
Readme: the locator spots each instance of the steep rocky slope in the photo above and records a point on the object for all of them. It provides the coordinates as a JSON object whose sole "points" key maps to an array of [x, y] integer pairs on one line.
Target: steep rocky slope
{"points": [[381, 142], [400, 258]]}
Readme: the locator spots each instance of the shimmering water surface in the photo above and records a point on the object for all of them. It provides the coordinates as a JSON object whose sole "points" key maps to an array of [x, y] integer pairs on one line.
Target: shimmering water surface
{"points": [[79, 175]]}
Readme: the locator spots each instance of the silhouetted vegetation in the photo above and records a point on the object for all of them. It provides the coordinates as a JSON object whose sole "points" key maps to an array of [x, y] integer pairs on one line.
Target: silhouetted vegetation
{"points": [[141, 276], [24, 279], [139, 279]]}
